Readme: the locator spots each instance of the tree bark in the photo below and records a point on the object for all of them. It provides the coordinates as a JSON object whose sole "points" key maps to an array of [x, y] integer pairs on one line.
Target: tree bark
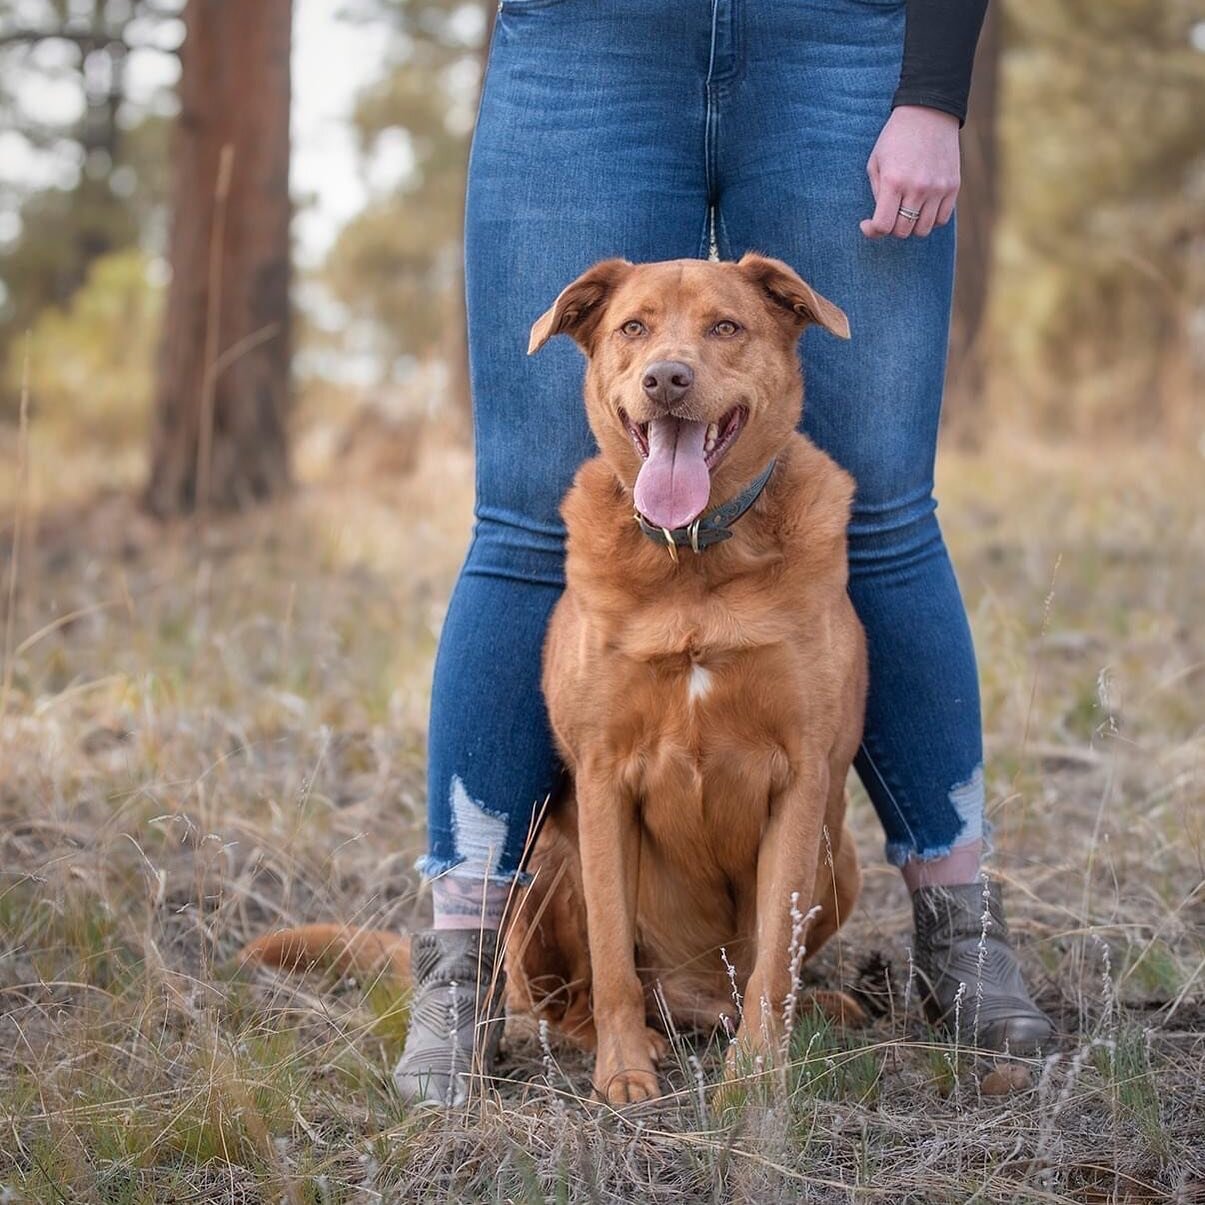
{"points": [[222, 395], [978, 207]]}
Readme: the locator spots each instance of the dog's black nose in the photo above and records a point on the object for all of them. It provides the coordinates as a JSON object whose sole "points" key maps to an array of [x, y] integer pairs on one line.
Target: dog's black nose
{"points": [[666, 381]]}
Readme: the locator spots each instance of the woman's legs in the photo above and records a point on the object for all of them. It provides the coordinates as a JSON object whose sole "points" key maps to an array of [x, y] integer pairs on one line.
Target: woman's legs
{"points": [[792, 132], [588, 145]]}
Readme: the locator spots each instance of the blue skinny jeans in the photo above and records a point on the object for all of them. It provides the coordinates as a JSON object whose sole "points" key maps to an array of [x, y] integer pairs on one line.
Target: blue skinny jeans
{"points": [[656, 131]]}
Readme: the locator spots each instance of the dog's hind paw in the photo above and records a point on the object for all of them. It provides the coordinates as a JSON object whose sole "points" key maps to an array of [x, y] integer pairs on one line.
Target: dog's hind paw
{"points": [[838, 1007], [658, 1046]]}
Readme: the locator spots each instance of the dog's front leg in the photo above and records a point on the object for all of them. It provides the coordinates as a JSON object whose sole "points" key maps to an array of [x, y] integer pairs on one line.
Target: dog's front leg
{"points": [[787, 862], [609, 837]]}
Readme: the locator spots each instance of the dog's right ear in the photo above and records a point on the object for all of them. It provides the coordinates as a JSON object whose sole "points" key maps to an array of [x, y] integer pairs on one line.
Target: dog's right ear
{"points": [[578, 309], [790, 292]]}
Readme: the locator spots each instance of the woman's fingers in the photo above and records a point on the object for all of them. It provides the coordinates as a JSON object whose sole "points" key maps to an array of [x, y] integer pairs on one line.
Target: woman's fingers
{"points": [[872, 170], [936, 211], [923, 226], [932, 209], [893, 203], [886, 210]]}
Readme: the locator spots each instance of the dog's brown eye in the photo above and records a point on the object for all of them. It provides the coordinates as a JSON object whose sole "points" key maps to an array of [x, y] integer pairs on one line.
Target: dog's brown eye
{"points": [[634, 328], [725, 328]]}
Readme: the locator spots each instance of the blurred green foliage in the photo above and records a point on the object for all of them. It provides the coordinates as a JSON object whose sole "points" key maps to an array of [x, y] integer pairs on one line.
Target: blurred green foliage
{"points": [[85, 169], [91, 362]]}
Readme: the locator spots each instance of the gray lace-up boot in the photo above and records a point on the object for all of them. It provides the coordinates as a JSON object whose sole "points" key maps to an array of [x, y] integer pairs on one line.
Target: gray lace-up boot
{"points": [[962, 938], [455, 1018]]}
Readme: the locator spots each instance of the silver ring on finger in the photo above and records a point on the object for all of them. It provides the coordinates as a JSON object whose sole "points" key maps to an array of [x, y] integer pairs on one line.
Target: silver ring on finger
{"points": [[909, 215]]}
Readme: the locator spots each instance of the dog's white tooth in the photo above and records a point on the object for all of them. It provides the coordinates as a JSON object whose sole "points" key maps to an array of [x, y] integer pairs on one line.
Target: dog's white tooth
{"points": [[713, 432], [709, 446]]}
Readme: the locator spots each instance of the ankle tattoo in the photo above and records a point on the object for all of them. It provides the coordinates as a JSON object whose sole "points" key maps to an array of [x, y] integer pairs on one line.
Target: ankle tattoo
{"points": [[469, 903]]}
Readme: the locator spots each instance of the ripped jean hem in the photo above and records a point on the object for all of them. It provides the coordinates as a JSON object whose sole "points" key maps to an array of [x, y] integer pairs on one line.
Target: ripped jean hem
{"points": [[898, 853], [430, 866]]}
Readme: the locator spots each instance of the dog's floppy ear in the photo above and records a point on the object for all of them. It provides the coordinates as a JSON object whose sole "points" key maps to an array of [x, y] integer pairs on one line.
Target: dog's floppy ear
{"points": [[789, 290], [577, 310]]}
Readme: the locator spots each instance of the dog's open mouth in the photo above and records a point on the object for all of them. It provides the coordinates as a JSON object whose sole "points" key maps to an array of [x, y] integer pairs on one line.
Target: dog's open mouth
{"points": [[679, 457]]}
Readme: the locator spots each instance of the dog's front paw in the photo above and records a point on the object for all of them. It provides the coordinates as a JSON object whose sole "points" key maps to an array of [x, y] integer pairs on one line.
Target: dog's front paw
{"points": [[627, 1087], [624, 1069]]}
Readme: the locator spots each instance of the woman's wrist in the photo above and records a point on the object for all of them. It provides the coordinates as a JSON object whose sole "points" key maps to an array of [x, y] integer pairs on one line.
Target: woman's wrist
{"points": [[928, 111]]}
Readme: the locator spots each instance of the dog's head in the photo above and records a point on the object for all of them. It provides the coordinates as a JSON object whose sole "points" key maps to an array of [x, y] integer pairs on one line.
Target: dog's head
{"points": [[693, 379]]}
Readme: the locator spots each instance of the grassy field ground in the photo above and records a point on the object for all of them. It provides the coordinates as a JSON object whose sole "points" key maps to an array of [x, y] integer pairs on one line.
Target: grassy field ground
{"points": [[206, 735]]}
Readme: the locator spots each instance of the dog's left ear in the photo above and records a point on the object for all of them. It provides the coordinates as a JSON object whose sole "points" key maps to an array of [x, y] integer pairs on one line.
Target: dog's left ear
{"points": [[579, 308], [789, 290]]}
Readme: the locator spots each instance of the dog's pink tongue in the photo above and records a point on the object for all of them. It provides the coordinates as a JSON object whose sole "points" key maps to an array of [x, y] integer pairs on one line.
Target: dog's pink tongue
{"points": [[674, 484]]}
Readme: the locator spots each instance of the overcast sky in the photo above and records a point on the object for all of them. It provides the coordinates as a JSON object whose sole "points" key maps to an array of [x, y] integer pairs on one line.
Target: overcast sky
{"points": [[331, 60]]}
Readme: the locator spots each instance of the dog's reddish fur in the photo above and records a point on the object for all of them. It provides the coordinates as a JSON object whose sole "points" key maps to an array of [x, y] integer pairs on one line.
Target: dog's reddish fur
{"points": [[697, 815]]}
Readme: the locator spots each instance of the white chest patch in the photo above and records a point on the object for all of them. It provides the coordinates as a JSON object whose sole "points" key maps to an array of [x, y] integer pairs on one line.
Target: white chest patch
{"points": [[699, 683]]}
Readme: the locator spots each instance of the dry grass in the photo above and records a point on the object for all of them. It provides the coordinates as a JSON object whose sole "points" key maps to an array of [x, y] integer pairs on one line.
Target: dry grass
{"points": [[202, 740]]}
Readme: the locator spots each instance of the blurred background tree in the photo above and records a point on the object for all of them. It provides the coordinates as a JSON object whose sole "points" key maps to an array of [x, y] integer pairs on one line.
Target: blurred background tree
{"points": [[81, 151], [978, 213], [222, 389]]}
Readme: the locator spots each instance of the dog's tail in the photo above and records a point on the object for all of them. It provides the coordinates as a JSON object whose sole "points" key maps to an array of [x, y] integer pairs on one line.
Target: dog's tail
{"points": [[341, 948]]}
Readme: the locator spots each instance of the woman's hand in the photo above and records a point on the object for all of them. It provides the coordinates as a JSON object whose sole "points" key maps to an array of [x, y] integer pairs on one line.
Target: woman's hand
{"points": [[914, 165]]}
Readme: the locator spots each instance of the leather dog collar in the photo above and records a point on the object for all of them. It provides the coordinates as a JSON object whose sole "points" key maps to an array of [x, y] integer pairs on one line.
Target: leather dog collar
{"points": [[712, 527]]}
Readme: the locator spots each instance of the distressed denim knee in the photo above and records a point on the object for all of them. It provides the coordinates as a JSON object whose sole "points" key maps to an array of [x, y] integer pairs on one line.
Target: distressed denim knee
{"points": [[491, 763]]}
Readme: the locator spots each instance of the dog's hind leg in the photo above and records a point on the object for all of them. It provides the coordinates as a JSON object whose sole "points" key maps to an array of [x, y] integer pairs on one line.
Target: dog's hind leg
{"points": [[839, 1007], [547, 954]]}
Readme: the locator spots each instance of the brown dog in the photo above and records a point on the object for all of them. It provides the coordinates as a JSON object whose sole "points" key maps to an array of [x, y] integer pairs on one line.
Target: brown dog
{"points": [[705, 677]]}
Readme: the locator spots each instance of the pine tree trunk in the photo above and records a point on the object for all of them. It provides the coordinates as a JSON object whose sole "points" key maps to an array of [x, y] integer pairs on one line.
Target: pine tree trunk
{"points": [[222, 395], [978, 206]]}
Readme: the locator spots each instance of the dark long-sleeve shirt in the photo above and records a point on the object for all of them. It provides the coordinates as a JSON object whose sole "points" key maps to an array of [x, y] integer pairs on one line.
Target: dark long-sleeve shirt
{"points": [[939, 51]]}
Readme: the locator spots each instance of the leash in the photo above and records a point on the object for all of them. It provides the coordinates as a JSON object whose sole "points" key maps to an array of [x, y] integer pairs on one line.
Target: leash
{"points": [[712, 527]]}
